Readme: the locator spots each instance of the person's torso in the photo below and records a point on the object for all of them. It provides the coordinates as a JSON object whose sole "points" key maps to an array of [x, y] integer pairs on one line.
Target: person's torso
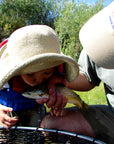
{"points": [[107, 77], [96, 74]]}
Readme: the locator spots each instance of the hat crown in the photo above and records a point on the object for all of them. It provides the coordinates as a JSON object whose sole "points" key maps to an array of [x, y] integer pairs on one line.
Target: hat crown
{"points": [[31, 41]]}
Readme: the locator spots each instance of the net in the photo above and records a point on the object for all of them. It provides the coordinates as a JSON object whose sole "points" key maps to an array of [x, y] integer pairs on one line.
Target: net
{"points": [[33, 135]]}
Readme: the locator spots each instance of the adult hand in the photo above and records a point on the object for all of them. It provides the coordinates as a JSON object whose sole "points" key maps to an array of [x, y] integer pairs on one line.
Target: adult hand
{"points": [[56, 80], [56, 101], [5, 120]]}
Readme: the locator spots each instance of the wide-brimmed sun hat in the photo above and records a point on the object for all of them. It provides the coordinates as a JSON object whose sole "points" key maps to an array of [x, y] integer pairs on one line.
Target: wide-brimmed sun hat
{"points": [[97, 37], [33, 48]]}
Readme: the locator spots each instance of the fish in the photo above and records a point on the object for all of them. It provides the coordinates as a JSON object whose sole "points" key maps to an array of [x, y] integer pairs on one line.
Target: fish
{"points": [[43, 92]]}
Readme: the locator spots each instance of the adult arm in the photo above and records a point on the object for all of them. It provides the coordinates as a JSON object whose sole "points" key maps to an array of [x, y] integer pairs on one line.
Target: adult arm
{"points": [[81, 83]]}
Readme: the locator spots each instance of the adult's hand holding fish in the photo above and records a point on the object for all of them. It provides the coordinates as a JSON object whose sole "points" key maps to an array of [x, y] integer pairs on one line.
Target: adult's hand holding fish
{"points": [[58, 106], [56, 80], [66, 94], [56, 100]]}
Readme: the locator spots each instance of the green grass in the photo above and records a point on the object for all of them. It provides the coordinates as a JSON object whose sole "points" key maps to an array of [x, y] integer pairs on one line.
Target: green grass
{"points": [[94, 96]]}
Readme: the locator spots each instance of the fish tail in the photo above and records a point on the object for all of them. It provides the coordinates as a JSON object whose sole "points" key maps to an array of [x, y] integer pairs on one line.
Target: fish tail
{"points": [[84, 107]]}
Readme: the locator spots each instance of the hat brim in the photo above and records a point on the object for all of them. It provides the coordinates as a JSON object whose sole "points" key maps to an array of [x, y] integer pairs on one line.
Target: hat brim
{"points": [[38, 63]]}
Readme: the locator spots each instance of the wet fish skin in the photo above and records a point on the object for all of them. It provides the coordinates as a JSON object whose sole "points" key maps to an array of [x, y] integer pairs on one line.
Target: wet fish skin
{"points": [[72, 97], [42, 92]]}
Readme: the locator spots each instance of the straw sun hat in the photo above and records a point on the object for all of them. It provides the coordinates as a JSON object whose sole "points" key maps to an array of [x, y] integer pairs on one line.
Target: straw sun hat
{"points": [[97, 37], [33, 48]]}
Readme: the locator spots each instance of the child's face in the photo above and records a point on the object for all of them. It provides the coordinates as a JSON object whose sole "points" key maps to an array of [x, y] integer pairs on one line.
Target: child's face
{"points": [[37, 78]]}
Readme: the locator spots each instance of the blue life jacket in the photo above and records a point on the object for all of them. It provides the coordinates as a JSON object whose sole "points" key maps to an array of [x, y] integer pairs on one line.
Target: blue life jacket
{"points": [[15, 100]]}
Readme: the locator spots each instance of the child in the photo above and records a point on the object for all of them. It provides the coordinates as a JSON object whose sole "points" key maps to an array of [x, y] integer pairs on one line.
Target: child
{"points": [[30, 57]]}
